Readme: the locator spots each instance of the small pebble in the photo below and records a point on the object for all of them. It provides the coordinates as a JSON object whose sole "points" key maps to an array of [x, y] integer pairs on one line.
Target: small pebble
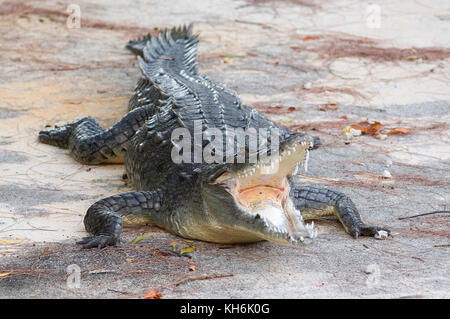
{"points": [[354, 132], [387, 174]]}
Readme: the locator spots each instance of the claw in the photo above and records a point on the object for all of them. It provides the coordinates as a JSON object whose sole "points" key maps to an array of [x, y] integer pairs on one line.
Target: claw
{"points": [[56, 137], [99, 241], [83, 240], [382, 234], [376, 232]]}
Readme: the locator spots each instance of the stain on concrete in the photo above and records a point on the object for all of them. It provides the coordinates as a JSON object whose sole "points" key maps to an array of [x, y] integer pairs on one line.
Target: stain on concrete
{"points": [[6, 113], [12, 157], [25, 196], [335, 46]]}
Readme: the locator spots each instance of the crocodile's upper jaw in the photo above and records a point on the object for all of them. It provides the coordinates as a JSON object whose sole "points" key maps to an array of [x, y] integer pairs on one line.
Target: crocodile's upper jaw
{"points": [[262, 206]]}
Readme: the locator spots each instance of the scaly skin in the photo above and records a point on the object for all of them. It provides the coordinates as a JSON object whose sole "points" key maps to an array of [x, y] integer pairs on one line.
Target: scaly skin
{"points": [[316, 202], [91, 144], [172, 94]]}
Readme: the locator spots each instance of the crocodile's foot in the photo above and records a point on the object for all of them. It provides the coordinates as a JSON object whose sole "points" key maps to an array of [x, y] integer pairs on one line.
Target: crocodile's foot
{"points": [[314, 202], [367, 230], [59, 136], [99, 241]]}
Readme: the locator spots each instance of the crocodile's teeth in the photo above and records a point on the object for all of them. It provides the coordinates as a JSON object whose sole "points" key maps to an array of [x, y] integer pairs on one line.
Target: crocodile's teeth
{"points": [[306, 161]]}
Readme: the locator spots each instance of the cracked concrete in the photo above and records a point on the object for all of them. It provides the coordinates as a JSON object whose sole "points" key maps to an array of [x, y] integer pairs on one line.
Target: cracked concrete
{"points": [[276, 55]]}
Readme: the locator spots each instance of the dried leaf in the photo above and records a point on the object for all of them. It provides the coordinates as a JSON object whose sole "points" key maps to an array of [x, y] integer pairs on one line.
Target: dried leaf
{"points": [[227, 246], [286, 120], [365, 127], [399, 131], [4, 274], [173, 245], [140, 238], [153, 294], [331, 106], [10, 242], [129, 260], [192, 268], [231, 55], [328, 106], [310, 37], [277, 109], [374, 128], [187, 250], [47, 250]]}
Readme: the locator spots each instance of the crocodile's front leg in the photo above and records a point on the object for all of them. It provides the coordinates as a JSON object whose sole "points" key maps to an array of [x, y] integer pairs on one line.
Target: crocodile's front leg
{"points": [[104, 218], [316, 202], [91, 144]]}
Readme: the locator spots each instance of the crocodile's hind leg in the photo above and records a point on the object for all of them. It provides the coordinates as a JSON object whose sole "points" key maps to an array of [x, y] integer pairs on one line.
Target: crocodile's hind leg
{"points": [[316, 202], [91, 144], [104, 218]]}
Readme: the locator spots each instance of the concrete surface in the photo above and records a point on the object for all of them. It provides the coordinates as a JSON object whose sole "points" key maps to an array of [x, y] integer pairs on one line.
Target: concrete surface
{"points": [[331, 60]]}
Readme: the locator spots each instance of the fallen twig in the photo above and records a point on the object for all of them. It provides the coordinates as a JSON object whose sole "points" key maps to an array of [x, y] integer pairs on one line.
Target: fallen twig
{"points": [[202, 277], [431, 213], [118, 291], [102, 271]]}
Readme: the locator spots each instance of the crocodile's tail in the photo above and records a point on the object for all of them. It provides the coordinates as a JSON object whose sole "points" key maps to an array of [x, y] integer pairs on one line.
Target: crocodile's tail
{"points": [[172, 48]]}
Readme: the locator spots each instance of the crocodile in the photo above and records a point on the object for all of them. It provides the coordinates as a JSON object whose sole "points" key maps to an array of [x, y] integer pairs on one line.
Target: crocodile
{"points": [[243, 195]]}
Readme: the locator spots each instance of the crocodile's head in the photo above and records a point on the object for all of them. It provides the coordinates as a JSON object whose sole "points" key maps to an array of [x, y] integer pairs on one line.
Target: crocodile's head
{"points": [[251, 201]]}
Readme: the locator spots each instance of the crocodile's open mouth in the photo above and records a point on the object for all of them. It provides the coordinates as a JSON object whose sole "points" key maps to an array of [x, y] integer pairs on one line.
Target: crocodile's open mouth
{"points": [[262, 192]]}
